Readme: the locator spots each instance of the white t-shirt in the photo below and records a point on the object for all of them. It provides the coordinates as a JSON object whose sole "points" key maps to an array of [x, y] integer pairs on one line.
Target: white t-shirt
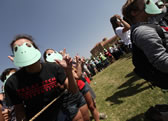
{"points": [[123, 36], [111, 49]]}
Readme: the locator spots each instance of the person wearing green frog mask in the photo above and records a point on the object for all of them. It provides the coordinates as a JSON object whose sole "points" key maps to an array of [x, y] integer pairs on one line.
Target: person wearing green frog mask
{"points": [[52, 56], [36, 84], [8, 111]]}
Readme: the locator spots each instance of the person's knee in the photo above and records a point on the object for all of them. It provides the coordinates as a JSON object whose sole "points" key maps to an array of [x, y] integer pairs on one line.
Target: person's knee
{"points": [[85, 113], [91, 107], [78, 117]]}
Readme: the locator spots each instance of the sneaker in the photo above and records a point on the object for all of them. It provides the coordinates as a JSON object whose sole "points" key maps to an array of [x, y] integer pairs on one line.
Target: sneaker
{"points": [[102, 116]]}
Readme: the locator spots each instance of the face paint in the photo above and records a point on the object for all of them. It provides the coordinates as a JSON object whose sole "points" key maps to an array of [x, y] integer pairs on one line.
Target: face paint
{"points": [[7, 76], [26, 55], [151, 8], [51, 57]]}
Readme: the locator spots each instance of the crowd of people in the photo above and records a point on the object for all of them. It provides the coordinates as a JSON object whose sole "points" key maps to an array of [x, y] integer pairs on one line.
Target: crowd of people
{"points": [[114, 51], [59, 81], [57, 87], [108, 56]]}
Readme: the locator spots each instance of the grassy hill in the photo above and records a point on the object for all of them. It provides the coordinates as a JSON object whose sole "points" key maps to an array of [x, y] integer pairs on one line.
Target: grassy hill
{"points": [[122, 95]]}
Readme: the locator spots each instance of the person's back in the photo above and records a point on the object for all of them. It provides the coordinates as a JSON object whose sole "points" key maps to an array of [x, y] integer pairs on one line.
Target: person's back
{"points": [[143, 66], [125, 36], [149, 45]]}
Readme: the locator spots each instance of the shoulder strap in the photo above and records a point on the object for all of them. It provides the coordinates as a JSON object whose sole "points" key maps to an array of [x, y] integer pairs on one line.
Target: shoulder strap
{"points": [[159, 31]]}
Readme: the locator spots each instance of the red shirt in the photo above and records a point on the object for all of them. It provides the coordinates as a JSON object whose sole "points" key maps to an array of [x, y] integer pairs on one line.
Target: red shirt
{"points": [[80, 84], [87, 79]]}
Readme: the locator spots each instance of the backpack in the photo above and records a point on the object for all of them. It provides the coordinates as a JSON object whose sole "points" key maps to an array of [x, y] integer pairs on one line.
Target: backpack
{"points": [[144, 68]]}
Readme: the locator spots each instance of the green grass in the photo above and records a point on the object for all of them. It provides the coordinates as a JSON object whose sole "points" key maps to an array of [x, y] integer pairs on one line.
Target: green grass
{"points": [[122, 95]]}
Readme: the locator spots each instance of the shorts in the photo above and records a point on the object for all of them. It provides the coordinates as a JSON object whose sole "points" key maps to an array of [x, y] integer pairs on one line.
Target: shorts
{"points": [[91, 90], [72, 103], [85, 89]]}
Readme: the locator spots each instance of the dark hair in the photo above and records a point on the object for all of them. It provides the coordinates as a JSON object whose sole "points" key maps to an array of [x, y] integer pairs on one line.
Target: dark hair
{"points": [[23, 36], [113, 21], [127, 8], [45, 52], [125, 19], [6, 72]]}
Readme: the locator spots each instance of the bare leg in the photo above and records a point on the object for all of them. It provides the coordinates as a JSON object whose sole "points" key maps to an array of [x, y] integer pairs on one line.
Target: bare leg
{"points": [[78, 117], [92, 106], [85, 112]]}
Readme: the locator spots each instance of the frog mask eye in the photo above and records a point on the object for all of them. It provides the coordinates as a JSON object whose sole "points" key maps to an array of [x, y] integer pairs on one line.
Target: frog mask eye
{"points": [[49, 54]]}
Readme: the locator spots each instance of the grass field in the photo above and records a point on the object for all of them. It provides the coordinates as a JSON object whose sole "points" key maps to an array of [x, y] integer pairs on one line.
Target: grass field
{"points": [[122, 95]]}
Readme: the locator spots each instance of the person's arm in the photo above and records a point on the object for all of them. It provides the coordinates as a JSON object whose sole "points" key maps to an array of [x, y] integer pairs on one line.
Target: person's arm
{"points": [[79, 65], [1, 116], [70, 82], [20, 112], [6, 114], [125, 24], [72, 85]]}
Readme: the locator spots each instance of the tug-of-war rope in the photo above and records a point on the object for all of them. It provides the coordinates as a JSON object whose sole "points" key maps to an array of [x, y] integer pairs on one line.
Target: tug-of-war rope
{"points": [[34, 117]]}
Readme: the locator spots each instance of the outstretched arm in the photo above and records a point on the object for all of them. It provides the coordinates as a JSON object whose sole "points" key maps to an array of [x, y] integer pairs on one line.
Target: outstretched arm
{"points": [[79, 65], [66, 63]]}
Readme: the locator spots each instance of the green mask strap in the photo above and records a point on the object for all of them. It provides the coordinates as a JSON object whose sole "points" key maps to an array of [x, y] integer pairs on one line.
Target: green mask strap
{"points": [[26, 55], [10, 74]]}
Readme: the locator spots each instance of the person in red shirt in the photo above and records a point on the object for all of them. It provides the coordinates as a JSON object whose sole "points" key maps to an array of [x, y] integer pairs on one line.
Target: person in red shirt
{"points": [[86, 90]]}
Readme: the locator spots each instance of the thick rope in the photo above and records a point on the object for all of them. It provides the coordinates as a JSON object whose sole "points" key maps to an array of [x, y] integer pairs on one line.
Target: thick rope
{"points": [[34, 117]]}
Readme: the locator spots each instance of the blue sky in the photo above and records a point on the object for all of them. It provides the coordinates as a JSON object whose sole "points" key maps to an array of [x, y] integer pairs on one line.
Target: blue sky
{"points": [[76, 25]]}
